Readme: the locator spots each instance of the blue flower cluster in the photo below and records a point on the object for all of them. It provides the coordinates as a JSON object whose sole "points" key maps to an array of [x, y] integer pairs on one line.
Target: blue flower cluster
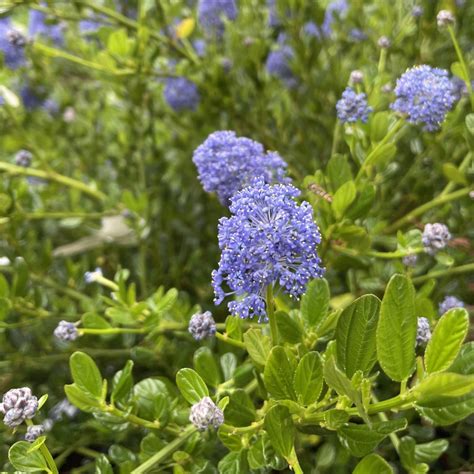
{"points": [[448, 303], [423, 331], [270, 239], [12, 44], [352, 107], [336, 9], [279, 64], [425, 95], [227, 163], [435, 237], [181, 94], [211, 14], [39, 25]]}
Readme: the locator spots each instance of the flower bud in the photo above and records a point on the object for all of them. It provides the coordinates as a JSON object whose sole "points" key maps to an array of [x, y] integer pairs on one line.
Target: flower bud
{"points": [[33, 433], [205, 414], [435, 237], [18, 404], [445, 18], [202, 325], [356, 77], [448, 303], [423, 332], [23, 158], [66, 331], [384, 42]]}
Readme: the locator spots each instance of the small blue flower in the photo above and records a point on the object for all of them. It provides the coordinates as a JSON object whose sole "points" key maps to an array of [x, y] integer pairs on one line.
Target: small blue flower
{"points": [[40, 25], [336, 9], [435, 237], [417, 11], [273, 17], [312, 30], [279, 64], [18, 405], [66, 331], [448, 303], [423, 332], [206, 414], [425, 95], [91, 277], [270, 239], [33, 432], [352, 107], [357, 35], [227, 163], [31, 97], [202, 325], [199, 46], [212, 12], [90, 25], [181, 94], [12, 44]]}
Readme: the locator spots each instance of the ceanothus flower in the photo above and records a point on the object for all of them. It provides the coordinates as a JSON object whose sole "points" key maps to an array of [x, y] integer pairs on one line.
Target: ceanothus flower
{"points": [[417, 11], [352, 107], [270, 240], [448, 303], [279, 64], [33, 432], [181, 94], [445, 18], [435, 237], [206, 414], [410, 260], [336, 9], [425, 95], [227, 163], [273, 18], [211, 14], [18, 405], [356, 77], [384, 42], [40, 25], [62, 409], [91, 277], [202, 325], [12, 44], [23, 158], [66, 331], [312, 30], [357, 35], [423, 331]]}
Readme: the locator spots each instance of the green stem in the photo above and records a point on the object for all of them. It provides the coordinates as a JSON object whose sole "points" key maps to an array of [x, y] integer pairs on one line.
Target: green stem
{"points": [[294, 463], [390, 134], [435, 202], [46, 454], [225, 338], [441, 273], [383, 417], [106, 282], [376, 254], [53, 176], [462, 167], [271, 315], [105, 331], [336, 137], [166, 451], [382, 60], [467, 78]]}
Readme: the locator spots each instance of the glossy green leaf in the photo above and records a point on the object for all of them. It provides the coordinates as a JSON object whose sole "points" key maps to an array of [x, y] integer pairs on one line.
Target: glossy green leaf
{"points": [[430, 452], [334, 419], [191, 386], [230, 439], [338, 171], [382, 153], [206, 366], [446, 340], [433, 391], [315, 303], [86, 374], [103, 466], [373, 464], [233, 463], [240, 410], [356, 335], [228, 363], [343, 198], [396, 330], [470, 123], [361, 440], [149, 395], [26, 461], [406, 452], [308, 381], [258, 346], [290, 329], [82, 400], [278, 374], [122, 383], [280, 429], [454, 174]]}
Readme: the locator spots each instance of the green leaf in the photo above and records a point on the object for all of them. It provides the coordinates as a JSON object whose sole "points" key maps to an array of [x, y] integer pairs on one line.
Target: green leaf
{"points": [[334, 419], [315, 303], [228, 365], [229, 438], [363, 203], [233, 327], [206, 366], [308, 381], [446, 341], [470, 123], [433, 391], [240, 410], [37, 444], [289, 328], [19, 285], [383, 153], [122, 384], [258, 346], [278, 374], [82, 400], [338, 171], [379, 123], [24, 461], [118, 43], [233, 463], [191, 386], [148, 395], [94, 321], [361, 440], [464, 363], [453, 174], [280, 429], [102, 465], [407, 452], [4, 287], [373, 464], [356, 335], [430, 452], [86, 374], [458, 70], [343, 198], [396, 330]]}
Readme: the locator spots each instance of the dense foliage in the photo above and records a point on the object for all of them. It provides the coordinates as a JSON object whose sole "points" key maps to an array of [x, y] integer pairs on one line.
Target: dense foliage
{"points": [[236, 236]]}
